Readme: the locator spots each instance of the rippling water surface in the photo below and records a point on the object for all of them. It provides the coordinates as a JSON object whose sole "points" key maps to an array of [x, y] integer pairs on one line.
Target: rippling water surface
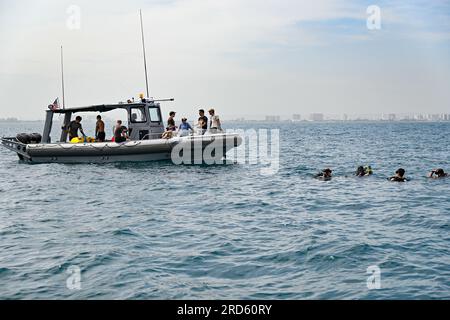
{"points": [[156, 230]]}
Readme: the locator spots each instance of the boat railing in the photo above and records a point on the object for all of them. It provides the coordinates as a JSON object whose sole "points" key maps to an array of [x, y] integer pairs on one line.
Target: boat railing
{"points": [[151, 136], [14, 145]]}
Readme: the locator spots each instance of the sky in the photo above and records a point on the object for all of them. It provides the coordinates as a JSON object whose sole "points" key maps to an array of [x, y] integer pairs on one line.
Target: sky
{"points": [[242, 57]]}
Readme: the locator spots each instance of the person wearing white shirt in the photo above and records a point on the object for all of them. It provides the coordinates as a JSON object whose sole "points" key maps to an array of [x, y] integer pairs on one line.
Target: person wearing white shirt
{"points": [[214, 122]]}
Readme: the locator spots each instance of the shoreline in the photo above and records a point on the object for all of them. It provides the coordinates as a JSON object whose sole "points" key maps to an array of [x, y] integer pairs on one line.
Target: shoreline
{"points": [[284, 121]]}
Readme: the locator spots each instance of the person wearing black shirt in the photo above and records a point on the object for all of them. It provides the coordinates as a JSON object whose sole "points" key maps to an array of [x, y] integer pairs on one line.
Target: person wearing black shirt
{"points": [[73, 128], [202, 121]]}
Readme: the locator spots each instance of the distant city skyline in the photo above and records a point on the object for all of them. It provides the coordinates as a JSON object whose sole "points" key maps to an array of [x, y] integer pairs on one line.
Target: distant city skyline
{"points": [[318, 117], [240, 57], [314, 117]]}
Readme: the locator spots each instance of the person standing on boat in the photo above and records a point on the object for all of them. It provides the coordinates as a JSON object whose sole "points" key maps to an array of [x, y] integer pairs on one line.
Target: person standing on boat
{"points": [[100, 134], [120, 132], [214, 122], [73, 128], [202, 121], [171, 122]]}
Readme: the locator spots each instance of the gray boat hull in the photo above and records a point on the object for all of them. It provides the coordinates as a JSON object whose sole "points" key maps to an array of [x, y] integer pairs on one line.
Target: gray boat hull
{"points": [[144, 150]]}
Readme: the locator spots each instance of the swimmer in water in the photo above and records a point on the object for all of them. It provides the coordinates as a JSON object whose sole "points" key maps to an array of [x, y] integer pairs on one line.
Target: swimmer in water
{"points": [[399, 176], [437, 174], [364, 171], [326, 174]]}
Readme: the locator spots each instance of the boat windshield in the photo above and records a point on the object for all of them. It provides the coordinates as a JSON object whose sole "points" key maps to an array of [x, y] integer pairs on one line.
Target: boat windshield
{"points": [[138, 115], [155, 115]]}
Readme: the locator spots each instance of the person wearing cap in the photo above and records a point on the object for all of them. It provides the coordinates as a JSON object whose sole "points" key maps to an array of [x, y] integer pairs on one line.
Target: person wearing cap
{"points": [[325, 174], [171, 122], [184, 128], [214, 122]]}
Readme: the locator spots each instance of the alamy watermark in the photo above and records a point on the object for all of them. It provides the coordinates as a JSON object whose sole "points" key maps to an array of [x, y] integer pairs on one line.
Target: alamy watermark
{"points": [[374, 280], [73, 21], [374, 17], [255, 147], [73, 282]]}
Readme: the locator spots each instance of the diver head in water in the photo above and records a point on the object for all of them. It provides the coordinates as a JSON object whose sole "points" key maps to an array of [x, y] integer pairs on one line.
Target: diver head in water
{"points": [[438, 173], [360, 172], [363, 171], [325, 174], [399, 176]]}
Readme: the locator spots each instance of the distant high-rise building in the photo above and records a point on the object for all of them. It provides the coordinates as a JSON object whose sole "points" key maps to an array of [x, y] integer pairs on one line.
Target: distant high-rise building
{"points": [[296, 117], [316, 117], [273, 118], [345, 117], [392, 117], [435, 117]]}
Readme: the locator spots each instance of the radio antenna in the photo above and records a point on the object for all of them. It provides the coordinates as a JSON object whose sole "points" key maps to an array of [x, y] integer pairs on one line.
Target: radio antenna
{"points": [[62, 79], [143, 50]]}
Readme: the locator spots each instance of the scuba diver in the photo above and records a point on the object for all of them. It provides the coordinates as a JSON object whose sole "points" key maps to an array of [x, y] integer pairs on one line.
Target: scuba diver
{"points": [[437, 174], [399, 176], [364, 171], [326, 174]]}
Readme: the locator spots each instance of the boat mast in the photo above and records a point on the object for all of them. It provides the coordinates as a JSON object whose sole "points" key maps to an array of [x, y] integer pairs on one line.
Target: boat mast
{"points": [[62, 79], [145, 59]]}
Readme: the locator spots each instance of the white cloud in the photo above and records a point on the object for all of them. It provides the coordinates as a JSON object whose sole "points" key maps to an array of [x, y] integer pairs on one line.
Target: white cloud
{"points": [[236, 55]]}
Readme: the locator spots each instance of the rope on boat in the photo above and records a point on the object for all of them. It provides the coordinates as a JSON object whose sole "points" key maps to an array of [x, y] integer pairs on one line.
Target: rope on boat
{"points": [[135, 144], [101, 148], [61, 145], [106, 146]]}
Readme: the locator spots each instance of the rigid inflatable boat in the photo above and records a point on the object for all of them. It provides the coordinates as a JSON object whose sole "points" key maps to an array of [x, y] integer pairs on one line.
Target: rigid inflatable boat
{"points": [[145, 128]]}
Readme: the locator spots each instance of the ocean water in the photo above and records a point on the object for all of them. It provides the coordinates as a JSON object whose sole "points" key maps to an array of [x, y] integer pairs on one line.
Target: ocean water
{"points": [[161, 231]]}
